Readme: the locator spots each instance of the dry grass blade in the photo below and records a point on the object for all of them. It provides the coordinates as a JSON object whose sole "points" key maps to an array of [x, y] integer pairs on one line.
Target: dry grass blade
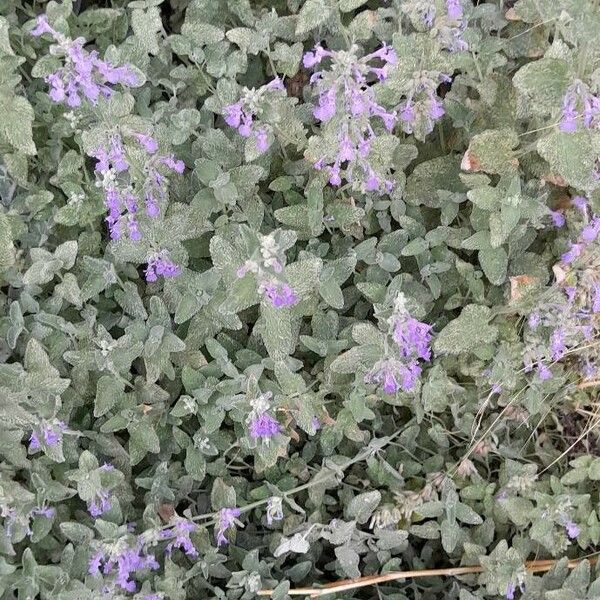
{"points": [[533, 566]]}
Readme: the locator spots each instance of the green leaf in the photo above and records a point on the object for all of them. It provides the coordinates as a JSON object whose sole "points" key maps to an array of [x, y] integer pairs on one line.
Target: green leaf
{"points": [[572, 156], [467, 332], [312, 14], [195, 463], [492, 152], [494, 262], [7, 250], [16, 118], [349, 5], [109, 392], [146, 24], [355, 358], [542, 84], [142, 439], [361, 507]]}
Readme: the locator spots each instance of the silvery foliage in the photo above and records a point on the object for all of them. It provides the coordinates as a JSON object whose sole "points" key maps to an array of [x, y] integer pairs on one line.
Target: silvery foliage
{"points": [[214, 432]]}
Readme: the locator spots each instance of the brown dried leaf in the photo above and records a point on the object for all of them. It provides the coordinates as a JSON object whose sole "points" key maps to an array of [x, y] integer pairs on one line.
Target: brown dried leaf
{"points": [[470, 162], [518, 285]]}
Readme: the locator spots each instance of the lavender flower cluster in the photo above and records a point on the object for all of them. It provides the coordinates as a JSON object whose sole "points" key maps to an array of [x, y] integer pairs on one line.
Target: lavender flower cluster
{"points": [[261, 425], [422, 107], [14, 519], [122, 194], [346, 92], [84, 74], [267, 265], [347, 106], [568, 320], [400, 368], [48, 434], [245, 114], [448, 25], [121, 563], [579, 106]]}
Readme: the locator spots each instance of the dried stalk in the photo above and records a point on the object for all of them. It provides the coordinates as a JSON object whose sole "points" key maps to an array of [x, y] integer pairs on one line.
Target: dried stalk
{"points": [[589, 384], [533, 566]]}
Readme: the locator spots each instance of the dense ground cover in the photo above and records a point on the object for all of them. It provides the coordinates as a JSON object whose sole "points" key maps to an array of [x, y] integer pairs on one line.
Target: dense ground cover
{"points": [[298, 291]]}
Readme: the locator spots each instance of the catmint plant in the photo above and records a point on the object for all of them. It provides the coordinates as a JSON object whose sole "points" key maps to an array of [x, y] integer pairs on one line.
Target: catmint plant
{"points": [[84, 75], [227, 519], [267, 265], [119, 562], [422, 107], [580, 108], [246, 115], [400, 369], [445, 19], [348, 110], [274, 509], [567, 319], [124, 193], [47, 434]]}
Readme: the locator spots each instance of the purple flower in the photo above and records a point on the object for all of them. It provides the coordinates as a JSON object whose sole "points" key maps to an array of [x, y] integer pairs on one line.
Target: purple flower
{"points": [[42, 27], [347, 151], [385, 53], [544, 373], [310, 59], [572, 254], [51, 434], [262, 141], [335, 177], [413, 338], [100, 504], [147, 142], [572, 529], [558, 219], [557, 344], [325, 110], [84, 74], [241, 115], [245, 129], [591, 110], [181, 530], [95, 563], [454, 9], [346, 91], [510, 591], [274, 509], [34, 441], [596, 299], [591, 230], [264, 427], [160, 266], [580, 203], [394, 375], [226, 520], [172, 163], [233, 114], [124, 565], [44, 511], [435, 109], [534, 320], [568, 121], [407, 114], [280, 294]]}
